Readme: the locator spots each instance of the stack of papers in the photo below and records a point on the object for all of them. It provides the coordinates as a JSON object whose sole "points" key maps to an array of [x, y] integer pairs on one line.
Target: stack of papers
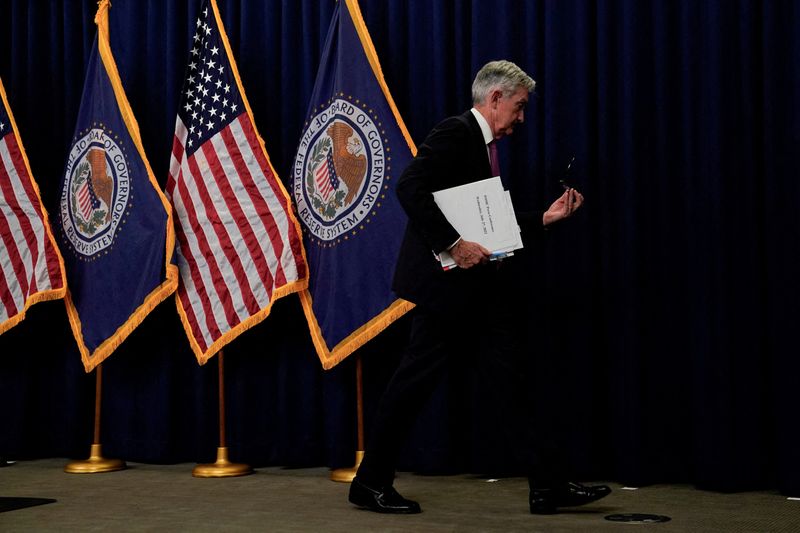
{"points": [[482, 212]]}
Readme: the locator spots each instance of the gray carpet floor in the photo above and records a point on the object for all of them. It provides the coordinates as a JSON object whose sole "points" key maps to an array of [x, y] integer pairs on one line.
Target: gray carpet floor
{"points": [[167, 498]]}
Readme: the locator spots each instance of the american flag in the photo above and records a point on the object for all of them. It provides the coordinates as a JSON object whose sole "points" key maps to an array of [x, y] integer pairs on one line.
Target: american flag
{"points": [[238, 242], [327, 180], [31, 268]]}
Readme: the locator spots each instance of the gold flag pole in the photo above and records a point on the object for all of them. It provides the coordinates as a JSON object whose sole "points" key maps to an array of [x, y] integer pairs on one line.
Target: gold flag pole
{"points": [[346, 475], [222, 468], [96, 463]]}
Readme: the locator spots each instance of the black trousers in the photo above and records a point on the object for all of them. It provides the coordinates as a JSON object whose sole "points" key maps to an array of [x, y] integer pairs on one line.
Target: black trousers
{"points": [[486, 336]]}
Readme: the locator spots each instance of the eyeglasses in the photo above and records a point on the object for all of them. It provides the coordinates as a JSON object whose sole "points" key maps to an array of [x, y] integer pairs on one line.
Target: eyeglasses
{"points": [[563, 181]]}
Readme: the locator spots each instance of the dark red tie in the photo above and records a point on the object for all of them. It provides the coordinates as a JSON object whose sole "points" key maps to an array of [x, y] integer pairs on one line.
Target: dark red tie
{"points": [[495, 164]]}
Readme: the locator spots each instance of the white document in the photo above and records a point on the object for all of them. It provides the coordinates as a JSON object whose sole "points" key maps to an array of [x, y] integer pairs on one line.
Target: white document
{"points": [[482, 212]]}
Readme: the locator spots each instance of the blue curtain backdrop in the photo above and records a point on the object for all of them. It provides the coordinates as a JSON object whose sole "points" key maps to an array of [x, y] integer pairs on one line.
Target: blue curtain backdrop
{"points": [[662, 319]]}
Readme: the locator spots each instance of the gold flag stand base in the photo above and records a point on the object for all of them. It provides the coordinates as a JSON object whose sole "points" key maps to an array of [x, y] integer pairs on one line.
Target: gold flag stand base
{"points": [[346, 475], [222, 468], [95, 464]]}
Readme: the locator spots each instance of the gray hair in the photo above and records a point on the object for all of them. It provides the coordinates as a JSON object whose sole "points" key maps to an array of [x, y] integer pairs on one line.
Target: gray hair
{"points": [[503, 75]]}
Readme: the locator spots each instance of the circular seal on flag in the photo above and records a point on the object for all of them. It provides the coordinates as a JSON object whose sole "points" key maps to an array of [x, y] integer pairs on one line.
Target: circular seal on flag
{"points": [[339, 170], [95, 192]]}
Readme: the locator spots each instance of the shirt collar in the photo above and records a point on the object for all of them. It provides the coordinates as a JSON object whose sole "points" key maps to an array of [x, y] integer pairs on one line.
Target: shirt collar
{"points": [[485, 128]]}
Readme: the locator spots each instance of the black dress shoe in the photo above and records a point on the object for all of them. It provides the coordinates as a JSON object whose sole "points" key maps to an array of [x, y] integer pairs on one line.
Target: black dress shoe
{"points": [[546, 501], [381, 500]]}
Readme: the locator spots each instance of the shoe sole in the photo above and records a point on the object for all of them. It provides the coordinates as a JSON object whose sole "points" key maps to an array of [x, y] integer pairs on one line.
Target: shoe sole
{"points": [[368, 507]]}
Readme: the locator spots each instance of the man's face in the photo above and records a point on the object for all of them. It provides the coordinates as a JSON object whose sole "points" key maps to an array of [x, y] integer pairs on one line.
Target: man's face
{"points": [[508, 111]]}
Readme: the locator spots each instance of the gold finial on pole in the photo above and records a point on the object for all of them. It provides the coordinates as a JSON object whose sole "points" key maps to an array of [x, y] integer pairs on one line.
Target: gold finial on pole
{"points": [[102, 8]]}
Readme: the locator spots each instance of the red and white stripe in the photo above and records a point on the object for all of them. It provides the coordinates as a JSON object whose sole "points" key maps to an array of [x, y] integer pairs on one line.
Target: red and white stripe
{"points": [[236, 240], [85, 199], [29, 261], [324, 180]]}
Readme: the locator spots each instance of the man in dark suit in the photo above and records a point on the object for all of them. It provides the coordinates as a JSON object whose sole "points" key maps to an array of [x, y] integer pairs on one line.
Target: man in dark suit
{"points": [[471, 298]]}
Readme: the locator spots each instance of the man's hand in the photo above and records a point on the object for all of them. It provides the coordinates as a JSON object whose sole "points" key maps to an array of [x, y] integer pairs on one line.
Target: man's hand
{"points": [[468, 254], [563, 208]]}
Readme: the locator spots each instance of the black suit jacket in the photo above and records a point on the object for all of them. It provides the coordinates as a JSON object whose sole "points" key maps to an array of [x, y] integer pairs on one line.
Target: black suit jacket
{"points": [[454, 153]]}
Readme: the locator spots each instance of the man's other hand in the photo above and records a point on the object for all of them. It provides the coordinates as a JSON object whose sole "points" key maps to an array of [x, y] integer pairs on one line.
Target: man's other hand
{"points": [[563, 207]]}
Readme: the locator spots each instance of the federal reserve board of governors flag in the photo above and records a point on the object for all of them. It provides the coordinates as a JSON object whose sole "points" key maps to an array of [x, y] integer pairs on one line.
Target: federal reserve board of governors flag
{"points": [[31, 267], [116, 224], [353, 148], [239, 244]]}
